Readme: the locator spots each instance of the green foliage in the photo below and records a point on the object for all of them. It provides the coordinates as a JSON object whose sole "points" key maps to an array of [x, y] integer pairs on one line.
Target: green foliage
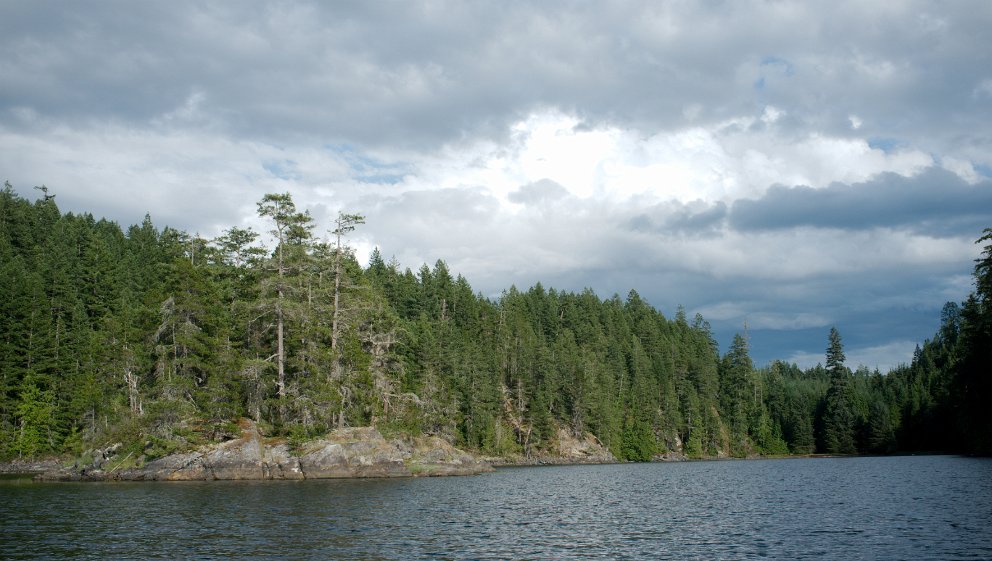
{"points": [[37, 429], [299, 435], [972, 386], [155, 447], [638, 443], [838, 417], [737, 388], [160, 341]]}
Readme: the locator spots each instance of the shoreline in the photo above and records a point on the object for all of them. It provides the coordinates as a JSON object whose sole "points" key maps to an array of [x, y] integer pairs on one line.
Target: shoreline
{"points": [[352, 453], [344, 453], [55, 471]]}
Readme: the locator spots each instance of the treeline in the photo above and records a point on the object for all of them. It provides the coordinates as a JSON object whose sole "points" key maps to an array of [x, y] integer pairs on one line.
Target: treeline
{"points": [[160, 339]]}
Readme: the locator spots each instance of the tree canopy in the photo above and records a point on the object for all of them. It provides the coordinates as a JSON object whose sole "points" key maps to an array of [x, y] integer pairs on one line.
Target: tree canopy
{"points": [[160, 339]]}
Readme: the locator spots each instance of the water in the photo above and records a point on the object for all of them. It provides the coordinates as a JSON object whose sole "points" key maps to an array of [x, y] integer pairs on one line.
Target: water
{"points": [[931, 507]]}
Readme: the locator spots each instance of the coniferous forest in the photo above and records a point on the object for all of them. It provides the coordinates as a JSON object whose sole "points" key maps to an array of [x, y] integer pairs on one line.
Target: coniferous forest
{"points": [[161, 340]]}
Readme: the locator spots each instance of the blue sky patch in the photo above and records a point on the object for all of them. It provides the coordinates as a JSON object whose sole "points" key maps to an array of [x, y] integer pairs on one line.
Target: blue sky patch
{"points": [[370, 170], [884, 144], [283, 169]]}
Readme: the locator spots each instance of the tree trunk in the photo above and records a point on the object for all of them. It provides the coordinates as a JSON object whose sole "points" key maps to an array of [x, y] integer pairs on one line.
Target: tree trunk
{"points": [[280, 351], [337, 296]]}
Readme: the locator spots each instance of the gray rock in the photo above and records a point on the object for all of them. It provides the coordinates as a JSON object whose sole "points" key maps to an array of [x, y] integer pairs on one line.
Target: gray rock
{"points": [[354, 452]]}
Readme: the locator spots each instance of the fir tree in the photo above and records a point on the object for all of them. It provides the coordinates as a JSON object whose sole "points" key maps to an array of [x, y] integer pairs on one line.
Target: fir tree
{"points": [[838, 431]]}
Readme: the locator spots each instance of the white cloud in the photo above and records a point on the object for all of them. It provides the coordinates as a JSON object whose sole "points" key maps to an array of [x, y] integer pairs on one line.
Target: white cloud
{"points": [[753, 315], [191, 111], [601, 145], [771, 115], [882, 357], [196, 181], [805, 359], [723, 311], [782, 321], [612, 163], [961, 167], [602, 178]]}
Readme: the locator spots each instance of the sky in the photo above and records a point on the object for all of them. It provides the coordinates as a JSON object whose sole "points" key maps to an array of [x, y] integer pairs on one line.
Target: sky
{"points": [[789, 166]]}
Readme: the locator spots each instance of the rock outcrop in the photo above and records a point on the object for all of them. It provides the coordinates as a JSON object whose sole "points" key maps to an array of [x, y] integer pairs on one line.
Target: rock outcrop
{"points": [[354, 452], [568, 449], [28, 467], [583, 449]]}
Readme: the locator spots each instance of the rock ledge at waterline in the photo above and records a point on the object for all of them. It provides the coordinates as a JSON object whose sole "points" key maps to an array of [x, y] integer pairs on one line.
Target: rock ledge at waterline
{"points": [[354, 452]]}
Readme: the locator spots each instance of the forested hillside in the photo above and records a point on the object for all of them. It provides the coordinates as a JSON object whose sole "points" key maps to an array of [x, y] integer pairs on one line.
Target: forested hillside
{"points": [[161, 340]]}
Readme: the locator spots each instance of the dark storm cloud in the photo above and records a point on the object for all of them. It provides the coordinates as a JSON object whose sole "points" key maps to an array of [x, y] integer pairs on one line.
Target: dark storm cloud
{"points": [[935, 202], [421, 74]]}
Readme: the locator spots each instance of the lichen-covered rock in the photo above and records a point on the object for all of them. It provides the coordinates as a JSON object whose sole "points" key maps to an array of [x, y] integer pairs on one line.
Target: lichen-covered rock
{"points": [[353, 452], [433, 456], [29, 466], [566, 449], [582, 449]]}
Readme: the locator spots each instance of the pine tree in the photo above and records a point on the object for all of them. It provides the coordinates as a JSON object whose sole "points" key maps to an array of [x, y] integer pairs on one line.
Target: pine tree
{"points": [[37, 428], [972, 383], [292, 230], [343, 225], [838, 424], [736, 374]]}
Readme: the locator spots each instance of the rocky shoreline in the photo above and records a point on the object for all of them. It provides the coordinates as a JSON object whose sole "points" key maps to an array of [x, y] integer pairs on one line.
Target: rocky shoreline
{"points": [[344, 453], [28, 467], [570, 449]]}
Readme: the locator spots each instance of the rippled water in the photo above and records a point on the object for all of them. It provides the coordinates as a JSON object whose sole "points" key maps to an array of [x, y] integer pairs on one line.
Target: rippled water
{"points": [[931, 507]]}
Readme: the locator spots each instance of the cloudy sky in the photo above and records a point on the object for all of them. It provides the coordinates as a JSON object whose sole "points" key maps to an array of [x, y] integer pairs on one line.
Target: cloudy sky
{"points": [[792, 165]]}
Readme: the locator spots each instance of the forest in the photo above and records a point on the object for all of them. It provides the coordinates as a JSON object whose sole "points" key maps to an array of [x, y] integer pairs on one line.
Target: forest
{"points": [[162, 340]]}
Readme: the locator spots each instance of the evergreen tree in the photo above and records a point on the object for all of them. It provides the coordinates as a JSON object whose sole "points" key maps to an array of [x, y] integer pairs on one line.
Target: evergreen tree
{"points": [[972, 384], [147, 336], [37, 427], [838, 421], [343, 225], [292, 231], [735, 392]]}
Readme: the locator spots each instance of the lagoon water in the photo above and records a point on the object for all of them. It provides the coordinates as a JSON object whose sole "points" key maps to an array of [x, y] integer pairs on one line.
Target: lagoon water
{"points": [[926, 507]]}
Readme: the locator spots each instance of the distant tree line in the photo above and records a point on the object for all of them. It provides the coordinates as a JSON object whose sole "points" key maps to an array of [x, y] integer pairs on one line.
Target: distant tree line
{"points": [[160, 340]]}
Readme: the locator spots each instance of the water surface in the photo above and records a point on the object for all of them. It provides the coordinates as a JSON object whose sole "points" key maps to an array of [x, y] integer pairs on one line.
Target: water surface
{"points": [[929, 507]]}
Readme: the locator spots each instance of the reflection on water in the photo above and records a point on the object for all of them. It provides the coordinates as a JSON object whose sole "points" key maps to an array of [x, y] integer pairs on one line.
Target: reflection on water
{"points": [[931, 507]]}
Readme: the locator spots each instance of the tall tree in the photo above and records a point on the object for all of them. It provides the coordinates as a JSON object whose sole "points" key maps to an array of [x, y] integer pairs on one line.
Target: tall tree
{"points": [[343, 225], [735, 391], [973, 381], [838, 422], [291, 230]]}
